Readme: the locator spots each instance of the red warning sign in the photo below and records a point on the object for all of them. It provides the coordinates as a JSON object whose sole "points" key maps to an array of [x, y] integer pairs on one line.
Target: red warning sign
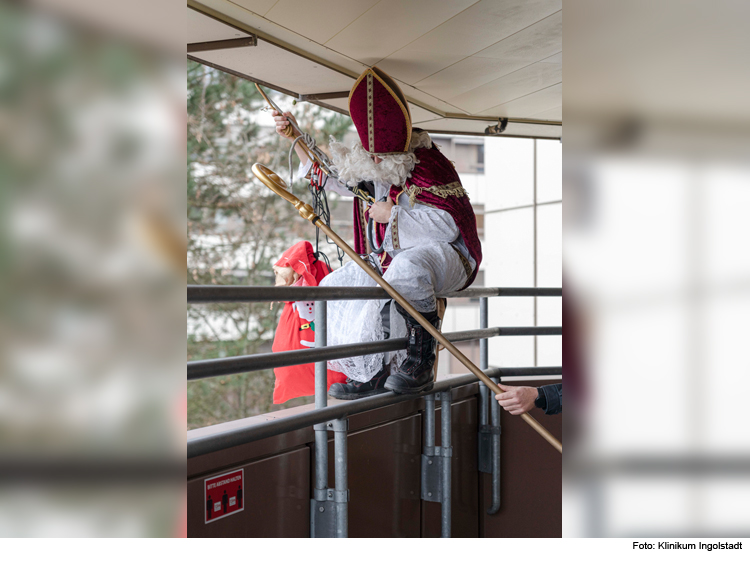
{"points": [[223, 495]]}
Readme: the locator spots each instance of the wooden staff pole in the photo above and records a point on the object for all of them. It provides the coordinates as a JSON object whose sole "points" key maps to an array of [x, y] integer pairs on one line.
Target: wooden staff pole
{"points": [[292, 129], [277, 185]]}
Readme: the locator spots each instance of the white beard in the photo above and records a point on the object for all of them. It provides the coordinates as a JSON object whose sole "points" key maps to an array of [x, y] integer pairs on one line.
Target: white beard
{"points": [[354, 164]]}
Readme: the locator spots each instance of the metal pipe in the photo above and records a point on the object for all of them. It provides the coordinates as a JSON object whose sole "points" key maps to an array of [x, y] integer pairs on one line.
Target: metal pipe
{"points": [[483, 360], [429, 421], [446, 451], [342, 485], [197, 294], [495, 416], [321, 367], [321, 401], [202, 445], [474, 292], [241, 364]]}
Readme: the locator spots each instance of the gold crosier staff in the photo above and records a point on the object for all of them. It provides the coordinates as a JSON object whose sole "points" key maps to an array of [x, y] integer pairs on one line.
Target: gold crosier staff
{"points": [[278, 186]]}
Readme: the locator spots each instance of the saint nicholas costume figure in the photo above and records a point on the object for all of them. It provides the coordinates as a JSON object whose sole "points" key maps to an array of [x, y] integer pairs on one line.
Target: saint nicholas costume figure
{"points": [[425, 226]]}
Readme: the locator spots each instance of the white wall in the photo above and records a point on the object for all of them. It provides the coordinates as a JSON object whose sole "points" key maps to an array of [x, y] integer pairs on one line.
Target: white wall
{"points": [[522, 247]]}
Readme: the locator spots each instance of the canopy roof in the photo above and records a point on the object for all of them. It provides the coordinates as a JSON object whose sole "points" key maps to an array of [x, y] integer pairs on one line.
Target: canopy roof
{"points": [[463, 64]]}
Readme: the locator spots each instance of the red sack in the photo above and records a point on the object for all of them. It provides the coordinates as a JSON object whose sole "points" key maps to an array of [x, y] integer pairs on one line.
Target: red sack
{"points": [[296, 329]]}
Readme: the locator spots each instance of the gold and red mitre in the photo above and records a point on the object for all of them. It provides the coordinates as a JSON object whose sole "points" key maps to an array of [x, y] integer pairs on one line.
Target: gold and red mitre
{"points": [[380, 113]]}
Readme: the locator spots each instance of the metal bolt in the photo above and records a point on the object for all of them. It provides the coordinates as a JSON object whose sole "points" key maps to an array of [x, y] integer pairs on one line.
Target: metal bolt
{"points": [[429, 494], [321, 509], [429, 461]]}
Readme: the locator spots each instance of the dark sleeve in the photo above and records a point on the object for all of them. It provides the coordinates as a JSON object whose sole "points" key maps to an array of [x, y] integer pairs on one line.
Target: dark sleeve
{"points": [[553, 396]]}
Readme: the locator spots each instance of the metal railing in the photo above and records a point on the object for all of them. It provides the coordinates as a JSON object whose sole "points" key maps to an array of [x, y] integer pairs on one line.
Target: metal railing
{"points": [[329, 507]]}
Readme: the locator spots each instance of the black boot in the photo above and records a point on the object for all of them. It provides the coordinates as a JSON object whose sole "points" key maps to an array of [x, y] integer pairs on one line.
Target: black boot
{"points": [[415, 374], [357, 389]]}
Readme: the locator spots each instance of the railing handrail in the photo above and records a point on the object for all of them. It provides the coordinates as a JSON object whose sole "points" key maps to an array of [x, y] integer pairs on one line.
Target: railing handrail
{"points": [[233, 438], [260, 294], [241, 364], [214, 367]]}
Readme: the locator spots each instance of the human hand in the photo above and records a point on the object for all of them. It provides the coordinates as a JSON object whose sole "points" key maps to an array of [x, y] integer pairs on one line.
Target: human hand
{"points": [[380, 212], [283, 121], [517, 400]]}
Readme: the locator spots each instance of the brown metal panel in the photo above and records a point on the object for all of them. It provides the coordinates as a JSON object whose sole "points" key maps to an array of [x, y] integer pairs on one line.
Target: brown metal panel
{"points": [[277, 500], [530, 479], [225, 459], [369, 419], [464, 475], [384, 476]]}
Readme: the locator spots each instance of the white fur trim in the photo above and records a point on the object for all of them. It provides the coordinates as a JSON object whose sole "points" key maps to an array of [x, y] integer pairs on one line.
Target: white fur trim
{"points": [[354, 164]]}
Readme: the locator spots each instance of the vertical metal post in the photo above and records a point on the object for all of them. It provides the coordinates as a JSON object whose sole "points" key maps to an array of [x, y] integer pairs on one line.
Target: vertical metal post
{"points": [[483, 360], [431, 490], [484, 436], [321, 369], [483, 323], [321, 401], [341, 494], [446, 451], [319, 504], [429, 422], [495, 414]]}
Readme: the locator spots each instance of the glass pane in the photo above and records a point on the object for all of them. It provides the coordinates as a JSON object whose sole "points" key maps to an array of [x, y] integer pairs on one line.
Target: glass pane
{"points": [[549, 351], [548, 170], [508, 248], [509, 167], [549, 245], [511, 350], [549, 348]]}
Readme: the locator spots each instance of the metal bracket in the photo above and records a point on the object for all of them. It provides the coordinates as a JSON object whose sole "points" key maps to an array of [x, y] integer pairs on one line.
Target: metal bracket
{"points": [[486, 432], [432, 472], [339, 425], [438, 451], [323, 518], [432, 478]]}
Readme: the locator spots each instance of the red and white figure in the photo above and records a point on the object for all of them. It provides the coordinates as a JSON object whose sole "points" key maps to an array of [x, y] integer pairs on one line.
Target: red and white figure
{"points": [[296, 330]]}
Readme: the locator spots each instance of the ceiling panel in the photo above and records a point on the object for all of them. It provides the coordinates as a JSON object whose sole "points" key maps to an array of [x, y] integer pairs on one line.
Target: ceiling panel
{"points": [[340, 103], [466, 75], [531, 104], [420, 114], [201, 28], [390, 25], [506, 89], [318, 20], [411, 66], [258, 6], [280, 67], [536, 42], [486, 57], [533, 44], [275, 33], [557, 58], [484, 24], [427, 99], [551, 114]]}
